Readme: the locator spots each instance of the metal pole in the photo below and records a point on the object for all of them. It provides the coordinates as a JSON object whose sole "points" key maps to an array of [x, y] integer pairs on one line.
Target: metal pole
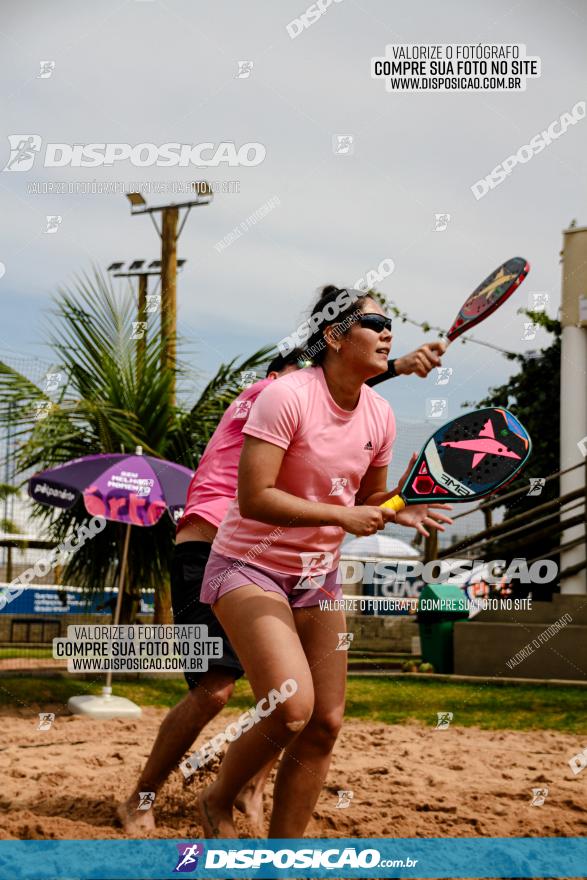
{"points": [[488, 517], [141, 316], [573, 392], [9, 498], [108, 687], [169, 289], [431, 546]]}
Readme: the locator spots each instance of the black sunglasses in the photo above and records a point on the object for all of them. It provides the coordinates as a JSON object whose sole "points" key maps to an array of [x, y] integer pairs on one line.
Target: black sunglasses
{"points": [[373, 321]]}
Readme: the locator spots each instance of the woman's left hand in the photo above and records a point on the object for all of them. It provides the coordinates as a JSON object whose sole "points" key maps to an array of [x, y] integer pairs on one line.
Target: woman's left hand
{"points": [[420, 516]]}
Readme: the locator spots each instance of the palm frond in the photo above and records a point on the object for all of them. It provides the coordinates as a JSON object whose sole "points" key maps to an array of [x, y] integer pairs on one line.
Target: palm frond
{"points": [[112, 401]]}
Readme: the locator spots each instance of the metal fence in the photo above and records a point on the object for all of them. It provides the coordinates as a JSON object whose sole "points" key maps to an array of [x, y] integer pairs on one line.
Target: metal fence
{"points": [[545, 525]]}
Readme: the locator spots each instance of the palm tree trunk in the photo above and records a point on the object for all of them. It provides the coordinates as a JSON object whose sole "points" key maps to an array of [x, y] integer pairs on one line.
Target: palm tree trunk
{"points": [[163, 613]]}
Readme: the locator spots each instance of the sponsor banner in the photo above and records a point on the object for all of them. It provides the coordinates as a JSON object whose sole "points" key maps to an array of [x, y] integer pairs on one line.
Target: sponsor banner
{"points": [[359, 858], [68, 600]]}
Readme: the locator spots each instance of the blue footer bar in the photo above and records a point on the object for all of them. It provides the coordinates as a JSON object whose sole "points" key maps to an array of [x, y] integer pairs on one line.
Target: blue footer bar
{"points": [[357, 857]]}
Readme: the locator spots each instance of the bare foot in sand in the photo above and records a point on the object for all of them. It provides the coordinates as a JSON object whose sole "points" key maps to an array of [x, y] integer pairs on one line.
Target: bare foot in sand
{"points": [[249, 802], [216, 820], [136, 823]]}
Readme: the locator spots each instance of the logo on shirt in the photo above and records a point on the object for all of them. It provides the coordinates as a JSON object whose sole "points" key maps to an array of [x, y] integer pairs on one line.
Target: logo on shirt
{"points": [[338, 485], [242, 409], [368, 445]]}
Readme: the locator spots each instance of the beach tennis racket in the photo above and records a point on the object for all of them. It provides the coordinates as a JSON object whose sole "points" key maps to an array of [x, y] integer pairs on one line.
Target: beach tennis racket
{"points": [[465, 459], [489, 296], [484, 300]]}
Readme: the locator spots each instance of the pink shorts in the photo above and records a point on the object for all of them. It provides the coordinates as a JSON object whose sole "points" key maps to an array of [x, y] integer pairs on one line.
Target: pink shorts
{"points": [[223, 575]]}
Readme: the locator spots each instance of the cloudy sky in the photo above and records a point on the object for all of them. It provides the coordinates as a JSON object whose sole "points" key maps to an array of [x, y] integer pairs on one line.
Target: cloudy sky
{"points": [[144, 71]]}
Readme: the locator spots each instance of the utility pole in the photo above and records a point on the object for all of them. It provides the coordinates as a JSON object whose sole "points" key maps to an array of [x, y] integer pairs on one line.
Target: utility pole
{"points": [[170, 219], [136, 271], [142, 313], [573, 395], [169, 234], [431, 546]]}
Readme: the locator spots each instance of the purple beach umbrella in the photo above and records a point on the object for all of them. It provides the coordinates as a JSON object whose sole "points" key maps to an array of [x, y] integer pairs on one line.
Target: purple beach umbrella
{"points": [[129, 488]]}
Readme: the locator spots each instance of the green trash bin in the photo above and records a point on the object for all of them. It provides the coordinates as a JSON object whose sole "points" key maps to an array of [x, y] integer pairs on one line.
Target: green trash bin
{"points": [[438, 608]]}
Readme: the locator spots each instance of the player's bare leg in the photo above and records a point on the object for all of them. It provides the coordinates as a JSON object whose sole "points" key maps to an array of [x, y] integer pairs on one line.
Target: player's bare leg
{"points": [[249, 800], [271, 654], [306, 759], [180, 727]]}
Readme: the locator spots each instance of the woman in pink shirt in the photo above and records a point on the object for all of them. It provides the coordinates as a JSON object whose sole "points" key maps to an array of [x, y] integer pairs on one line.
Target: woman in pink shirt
{"points": [[313, 466]]}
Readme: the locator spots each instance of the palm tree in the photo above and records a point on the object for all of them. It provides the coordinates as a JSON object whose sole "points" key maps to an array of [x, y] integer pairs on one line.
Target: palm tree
{"points": [[9, 527], [115, 396]]}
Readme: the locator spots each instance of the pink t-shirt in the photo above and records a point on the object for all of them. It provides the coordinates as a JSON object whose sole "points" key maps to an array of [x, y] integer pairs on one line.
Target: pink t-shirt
{"points": [[328, 451], [213, 486]]}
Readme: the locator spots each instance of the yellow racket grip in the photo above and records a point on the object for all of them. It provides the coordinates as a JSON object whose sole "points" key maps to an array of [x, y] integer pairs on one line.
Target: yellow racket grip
{"points": [[396, 503]]}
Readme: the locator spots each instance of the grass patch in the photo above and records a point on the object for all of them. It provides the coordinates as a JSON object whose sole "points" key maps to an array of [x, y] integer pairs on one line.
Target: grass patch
{"points": [[25, 653], [391, 701], [46, 652], [380, 659], [490, 706]]}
